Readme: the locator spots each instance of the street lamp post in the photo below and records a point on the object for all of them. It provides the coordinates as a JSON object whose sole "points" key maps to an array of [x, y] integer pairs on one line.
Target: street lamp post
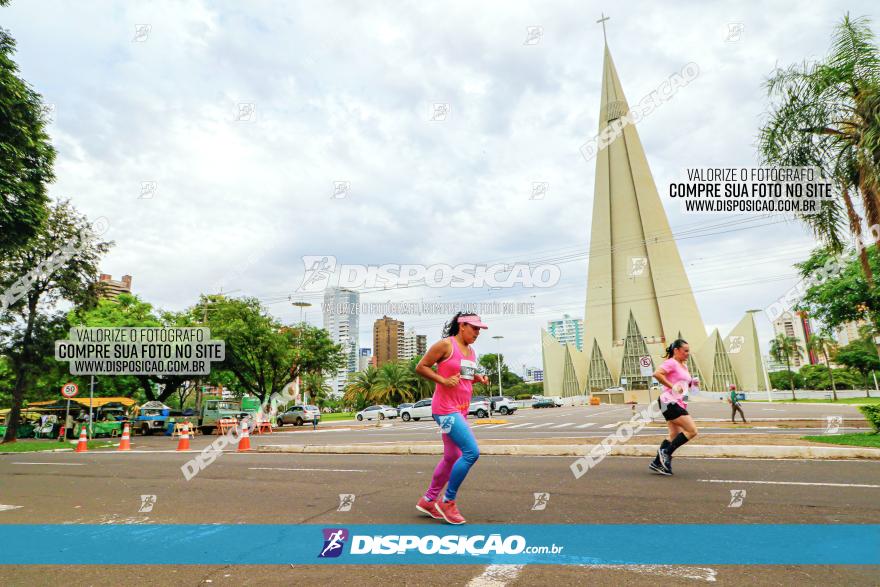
{"points": [[301, 305], [500, 393]]}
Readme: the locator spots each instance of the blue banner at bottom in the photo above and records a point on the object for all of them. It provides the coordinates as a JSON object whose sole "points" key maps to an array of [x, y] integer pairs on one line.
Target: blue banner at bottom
{"points": [[618, 544]]}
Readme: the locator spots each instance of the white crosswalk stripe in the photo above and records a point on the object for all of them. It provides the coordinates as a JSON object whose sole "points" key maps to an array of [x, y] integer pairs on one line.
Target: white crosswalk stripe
{"points": [[563, 425], [587, 425], [494, 426], [540, 425], [521, 425], [610, 425]]}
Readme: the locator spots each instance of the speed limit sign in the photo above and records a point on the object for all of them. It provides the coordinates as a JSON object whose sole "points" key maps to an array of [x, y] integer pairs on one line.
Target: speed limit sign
{"points": [[69, 390]]}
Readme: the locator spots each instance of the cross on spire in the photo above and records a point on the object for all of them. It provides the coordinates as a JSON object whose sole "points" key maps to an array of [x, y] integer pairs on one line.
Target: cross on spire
{"points": [[602, 21]]}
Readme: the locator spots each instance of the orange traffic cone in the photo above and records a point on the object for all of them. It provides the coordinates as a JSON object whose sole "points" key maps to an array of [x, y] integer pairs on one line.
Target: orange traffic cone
{"points": [[183, 444], [83, 444], [244, 442], [125, 441]]}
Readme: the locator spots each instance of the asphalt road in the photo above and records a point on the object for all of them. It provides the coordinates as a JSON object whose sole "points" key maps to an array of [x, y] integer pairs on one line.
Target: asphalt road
{"points": [[572, 422], [106, 488]]}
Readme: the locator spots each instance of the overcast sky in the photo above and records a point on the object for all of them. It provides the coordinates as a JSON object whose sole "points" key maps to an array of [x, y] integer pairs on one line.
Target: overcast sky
{"points": [[345, 92]]}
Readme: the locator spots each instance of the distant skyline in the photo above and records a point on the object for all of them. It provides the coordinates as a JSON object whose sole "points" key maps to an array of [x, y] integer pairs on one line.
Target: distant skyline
{"points": [[214, 137]]}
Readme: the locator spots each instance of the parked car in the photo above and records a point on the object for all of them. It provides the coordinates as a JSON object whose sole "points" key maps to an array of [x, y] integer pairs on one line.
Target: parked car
{"points": [[479, 408], [401, 407], [557, 401], [299, 415], [377, 412], [502, 404], [417, 411], [614, 390], [544, 402]]}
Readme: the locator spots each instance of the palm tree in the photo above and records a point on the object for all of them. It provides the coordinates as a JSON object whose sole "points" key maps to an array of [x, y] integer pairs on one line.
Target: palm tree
{"points": [[393, 384], [360, 387], [824, 344], [422, 387], [783, 348], [825, 115], [315, 385]]}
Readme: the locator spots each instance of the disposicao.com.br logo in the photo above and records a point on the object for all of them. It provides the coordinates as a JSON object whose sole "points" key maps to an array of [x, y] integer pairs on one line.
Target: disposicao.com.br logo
{"points": [[322, 272], [393, 544]]}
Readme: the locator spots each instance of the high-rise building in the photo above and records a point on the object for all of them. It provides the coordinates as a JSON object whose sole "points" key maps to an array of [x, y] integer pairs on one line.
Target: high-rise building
{"points": [[343, 328], [108, 288], [387, 340], [848, 332], [365, 358], [533, 375], [638, 296], [796, 325], [414, 345], [568, 330]]}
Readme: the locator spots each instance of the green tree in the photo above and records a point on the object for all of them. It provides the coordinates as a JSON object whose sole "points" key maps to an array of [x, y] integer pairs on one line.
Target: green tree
{"points": [[129, 311], [315, 385], [782, 379], [841, 295], [785, 348], [489, 363], [423, 388], [26, 154], [43, 276], [824, 345], [860, 355], [263, 354], [394, 384], [825, 115], [360, 387]]}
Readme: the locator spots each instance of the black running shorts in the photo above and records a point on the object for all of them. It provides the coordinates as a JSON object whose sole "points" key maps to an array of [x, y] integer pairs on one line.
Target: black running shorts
{"points": [[672, 410]]}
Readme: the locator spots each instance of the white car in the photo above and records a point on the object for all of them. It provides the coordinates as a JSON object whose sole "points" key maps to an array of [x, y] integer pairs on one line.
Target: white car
{"points": [[557, 401], [479, 408], [420, 409], [378, 412]]}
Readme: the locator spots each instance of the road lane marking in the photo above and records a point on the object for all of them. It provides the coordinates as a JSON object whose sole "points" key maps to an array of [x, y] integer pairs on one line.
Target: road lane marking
{"points": [[564, 424], [520, 425], [614, 425], [496, 576], [304, 469], [494, 426], [59, 464], [4, 508], [791, 483], [587, 425], [698, 573], [539, 425]]}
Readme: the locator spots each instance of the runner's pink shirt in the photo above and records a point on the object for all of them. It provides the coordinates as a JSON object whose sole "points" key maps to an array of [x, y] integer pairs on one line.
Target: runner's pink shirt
{"points": [[675, 372], [448, 400]]}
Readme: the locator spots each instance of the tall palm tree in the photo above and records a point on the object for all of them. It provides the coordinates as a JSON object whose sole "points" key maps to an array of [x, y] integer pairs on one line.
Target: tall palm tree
{"points": [[784, 348], [360, 387], [825, 345], [827, 115], [422, 387], [315, 385], [393, 384]]}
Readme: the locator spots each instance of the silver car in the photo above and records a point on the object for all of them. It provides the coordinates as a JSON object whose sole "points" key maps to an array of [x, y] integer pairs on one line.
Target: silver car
{"points": [[298, 415]]}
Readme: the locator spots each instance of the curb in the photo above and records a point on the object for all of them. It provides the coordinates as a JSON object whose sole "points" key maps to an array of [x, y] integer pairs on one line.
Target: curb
{"points": [[579, 450]]}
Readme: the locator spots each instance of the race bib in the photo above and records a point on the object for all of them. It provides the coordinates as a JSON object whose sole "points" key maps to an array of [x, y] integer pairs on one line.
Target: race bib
{"points": [[468, 368]]}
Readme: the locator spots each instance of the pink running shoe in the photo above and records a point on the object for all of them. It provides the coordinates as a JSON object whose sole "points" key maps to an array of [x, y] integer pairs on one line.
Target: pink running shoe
{"points": [[427, 507], [449, 512]]}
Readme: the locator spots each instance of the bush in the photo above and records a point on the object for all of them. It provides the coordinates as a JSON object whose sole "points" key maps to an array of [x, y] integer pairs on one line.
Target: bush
{"points": [[872, 414], [524, 396]]}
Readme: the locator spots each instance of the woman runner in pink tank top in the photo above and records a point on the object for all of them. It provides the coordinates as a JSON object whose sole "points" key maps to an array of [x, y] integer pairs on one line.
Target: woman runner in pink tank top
{"points": [[456, 362]]}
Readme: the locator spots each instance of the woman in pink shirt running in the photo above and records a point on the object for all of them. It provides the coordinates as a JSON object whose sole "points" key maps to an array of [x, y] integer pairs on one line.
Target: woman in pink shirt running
{"points": [[676, 380], [456, 362]]}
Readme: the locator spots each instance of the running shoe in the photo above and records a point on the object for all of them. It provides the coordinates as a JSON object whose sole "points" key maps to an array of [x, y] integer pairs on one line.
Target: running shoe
{"points": [[449, 512], [665, 459], [657, 468], [427, 507]]}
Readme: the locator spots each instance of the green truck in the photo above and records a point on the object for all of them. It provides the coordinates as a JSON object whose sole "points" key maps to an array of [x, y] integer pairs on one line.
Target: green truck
{"points": [[214, 410]]}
